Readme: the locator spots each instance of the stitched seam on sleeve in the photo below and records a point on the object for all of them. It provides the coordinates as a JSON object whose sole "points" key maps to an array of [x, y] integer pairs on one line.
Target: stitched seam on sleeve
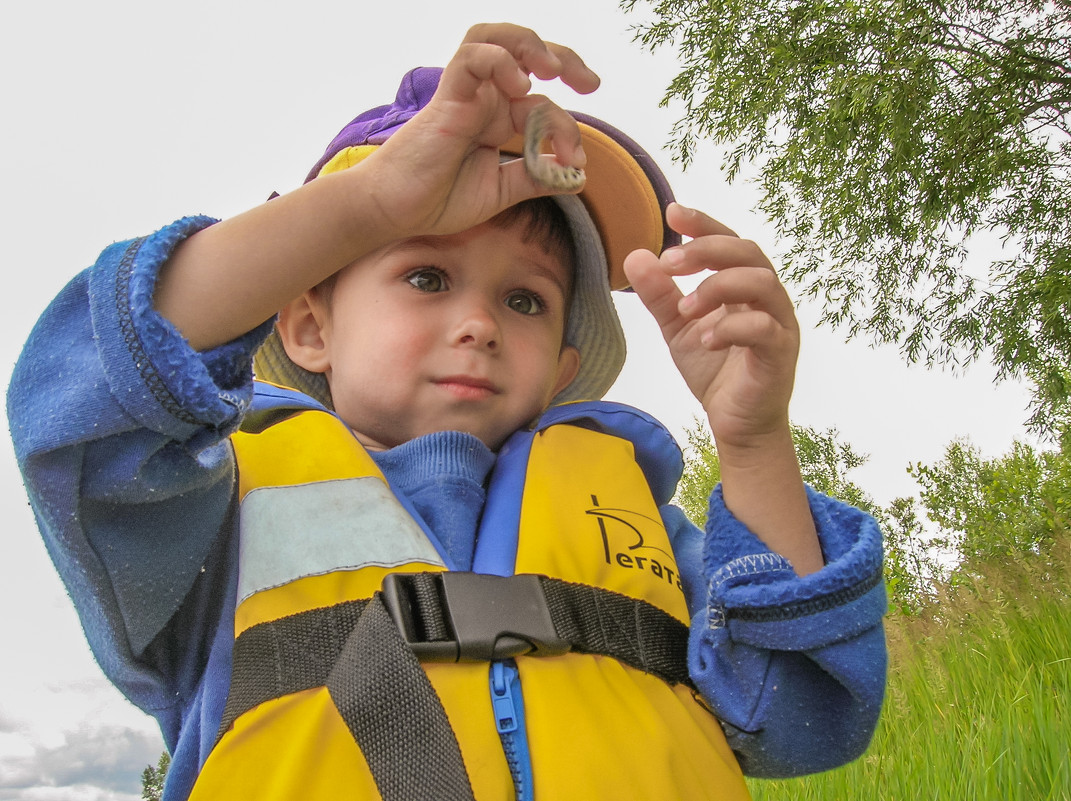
{"points": [[743, 566], [142, 363], [752, 563], [771, 614]]}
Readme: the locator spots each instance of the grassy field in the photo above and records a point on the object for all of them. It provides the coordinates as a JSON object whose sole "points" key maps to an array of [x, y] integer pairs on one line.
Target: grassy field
{"points": [[979, 698]]}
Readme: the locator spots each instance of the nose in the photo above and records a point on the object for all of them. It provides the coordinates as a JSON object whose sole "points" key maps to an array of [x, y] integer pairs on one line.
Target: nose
{"points": [[477, 325]]}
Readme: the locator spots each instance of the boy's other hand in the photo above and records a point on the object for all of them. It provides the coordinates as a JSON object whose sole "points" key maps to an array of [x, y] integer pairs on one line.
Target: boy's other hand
{"points": [[735, 338], [442, 173]]}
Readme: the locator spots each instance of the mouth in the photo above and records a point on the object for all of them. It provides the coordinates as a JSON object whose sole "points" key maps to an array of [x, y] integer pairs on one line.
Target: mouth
{"points": [[466, 387]]}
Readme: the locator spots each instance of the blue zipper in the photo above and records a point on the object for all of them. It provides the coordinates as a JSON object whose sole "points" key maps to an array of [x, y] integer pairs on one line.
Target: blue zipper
{"points": [[508, 705]]}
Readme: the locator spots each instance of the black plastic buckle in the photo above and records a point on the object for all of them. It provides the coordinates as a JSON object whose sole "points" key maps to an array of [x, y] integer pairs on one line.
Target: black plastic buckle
{"points": [[488, 617]]}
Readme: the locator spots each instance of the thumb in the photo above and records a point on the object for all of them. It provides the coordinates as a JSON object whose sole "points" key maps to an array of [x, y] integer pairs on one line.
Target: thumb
{"points": [[656, 290]]}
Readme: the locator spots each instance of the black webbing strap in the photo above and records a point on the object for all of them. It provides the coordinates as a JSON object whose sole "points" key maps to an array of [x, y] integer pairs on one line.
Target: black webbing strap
{"points": [[598, 621], [395, 716], [391, 709], [286, 656], [456, 616], [365, 657]]}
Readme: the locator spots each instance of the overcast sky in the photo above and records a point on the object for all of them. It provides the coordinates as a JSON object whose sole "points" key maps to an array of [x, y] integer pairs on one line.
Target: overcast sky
{"points": [[123, 116]]}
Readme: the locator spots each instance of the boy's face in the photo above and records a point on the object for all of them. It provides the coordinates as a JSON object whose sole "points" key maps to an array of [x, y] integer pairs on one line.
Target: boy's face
{"points": [[461, 332]]}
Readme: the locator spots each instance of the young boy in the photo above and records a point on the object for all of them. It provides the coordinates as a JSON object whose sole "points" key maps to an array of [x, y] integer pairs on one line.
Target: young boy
{"points": [[262, 568]]}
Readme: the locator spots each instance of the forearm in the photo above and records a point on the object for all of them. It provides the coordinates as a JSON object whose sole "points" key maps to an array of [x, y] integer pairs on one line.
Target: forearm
{"points": [[227, 279], [763, 489]]}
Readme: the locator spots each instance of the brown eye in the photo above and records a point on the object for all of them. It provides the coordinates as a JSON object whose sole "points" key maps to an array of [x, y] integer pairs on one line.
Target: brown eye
{"points": [[427, 280], [524, 303]]}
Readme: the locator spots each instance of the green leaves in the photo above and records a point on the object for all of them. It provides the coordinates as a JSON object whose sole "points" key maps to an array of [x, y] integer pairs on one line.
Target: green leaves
{"points": [[972, 515], [893, 140], [152, 778], [1011, 507]]}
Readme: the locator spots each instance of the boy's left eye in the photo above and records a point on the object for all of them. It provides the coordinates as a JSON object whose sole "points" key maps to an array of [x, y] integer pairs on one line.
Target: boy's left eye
{"points": [[427, 280], [524, 303]]}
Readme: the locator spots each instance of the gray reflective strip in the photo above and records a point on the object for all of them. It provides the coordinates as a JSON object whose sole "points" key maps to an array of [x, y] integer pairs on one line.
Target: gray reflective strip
{"points": [[312, 529]]}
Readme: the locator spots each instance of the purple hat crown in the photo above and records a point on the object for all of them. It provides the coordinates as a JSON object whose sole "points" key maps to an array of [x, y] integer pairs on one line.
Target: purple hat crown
{"points": [[375, 126]]}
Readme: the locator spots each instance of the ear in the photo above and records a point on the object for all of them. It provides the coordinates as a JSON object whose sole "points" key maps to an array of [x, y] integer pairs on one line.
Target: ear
{"points": [[301, 327], [568, 367]]}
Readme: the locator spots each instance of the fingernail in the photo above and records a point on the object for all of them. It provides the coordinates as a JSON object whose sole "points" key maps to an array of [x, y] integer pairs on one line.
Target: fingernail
{"points": [[580, 157], [687, 303]]}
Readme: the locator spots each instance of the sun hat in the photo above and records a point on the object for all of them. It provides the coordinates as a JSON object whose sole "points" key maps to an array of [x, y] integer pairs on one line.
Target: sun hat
{"points": [[620, 209]]}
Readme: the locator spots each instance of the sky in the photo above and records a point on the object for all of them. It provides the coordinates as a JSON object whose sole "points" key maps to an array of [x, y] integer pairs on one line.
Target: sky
{"points": [[125, 115]]}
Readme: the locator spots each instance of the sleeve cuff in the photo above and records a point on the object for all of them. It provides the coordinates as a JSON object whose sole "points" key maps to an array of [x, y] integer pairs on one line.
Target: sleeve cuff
{"points": [[151, 369], [754, 592]]}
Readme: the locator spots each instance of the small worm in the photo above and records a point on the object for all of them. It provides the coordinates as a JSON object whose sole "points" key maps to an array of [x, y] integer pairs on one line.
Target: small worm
{"points": [[545, 171]]}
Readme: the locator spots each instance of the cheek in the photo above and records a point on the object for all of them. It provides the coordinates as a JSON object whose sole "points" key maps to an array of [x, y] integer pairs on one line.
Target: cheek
{"points": [[541, 363], [386, 338]]}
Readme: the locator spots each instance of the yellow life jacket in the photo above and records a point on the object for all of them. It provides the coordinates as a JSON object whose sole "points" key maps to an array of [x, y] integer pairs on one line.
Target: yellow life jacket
{"points": [[320, 532]]}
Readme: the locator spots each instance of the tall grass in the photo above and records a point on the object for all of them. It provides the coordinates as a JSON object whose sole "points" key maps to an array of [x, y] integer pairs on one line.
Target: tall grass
{"points": [[979, 696]]}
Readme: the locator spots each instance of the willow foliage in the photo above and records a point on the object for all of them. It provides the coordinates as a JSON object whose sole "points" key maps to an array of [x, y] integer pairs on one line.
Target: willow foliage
{"points": [[914, 154]]}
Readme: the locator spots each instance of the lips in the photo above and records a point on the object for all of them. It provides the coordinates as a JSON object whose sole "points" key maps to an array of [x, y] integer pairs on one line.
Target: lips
{"points": [[467, 387]]}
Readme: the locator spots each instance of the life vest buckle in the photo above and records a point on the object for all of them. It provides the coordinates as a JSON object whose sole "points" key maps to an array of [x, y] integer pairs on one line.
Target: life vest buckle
{"points": [[455, 616]]}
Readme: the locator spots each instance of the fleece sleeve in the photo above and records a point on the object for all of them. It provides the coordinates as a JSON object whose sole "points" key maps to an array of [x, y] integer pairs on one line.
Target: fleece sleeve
{"points": [[120, 432], [793, 667]]}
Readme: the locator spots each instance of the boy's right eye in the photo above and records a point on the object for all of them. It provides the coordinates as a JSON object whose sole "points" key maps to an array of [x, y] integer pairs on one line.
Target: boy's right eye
{"points": [[427, 279]]}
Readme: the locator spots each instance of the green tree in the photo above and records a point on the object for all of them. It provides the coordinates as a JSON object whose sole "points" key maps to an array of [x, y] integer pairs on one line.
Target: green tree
{"points": [[825, 462], [913, 571], [892, 139], [999, 509], [702, 472], [152, 779]]}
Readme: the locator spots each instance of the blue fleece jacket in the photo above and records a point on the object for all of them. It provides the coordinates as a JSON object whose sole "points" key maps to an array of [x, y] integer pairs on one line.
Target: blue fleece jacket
{"points": [[121, 432]]}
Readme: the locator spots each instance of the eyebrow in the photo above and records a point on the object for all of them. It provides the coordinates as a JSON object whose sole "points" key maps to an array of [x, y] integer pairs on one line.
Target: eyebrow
{"points": [[556, 277]]}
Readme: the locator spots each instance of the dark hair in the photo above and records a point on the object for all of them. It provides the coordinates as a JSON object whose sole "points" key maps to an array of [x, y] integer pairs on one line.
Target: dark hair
{"points": [[544, 223]]}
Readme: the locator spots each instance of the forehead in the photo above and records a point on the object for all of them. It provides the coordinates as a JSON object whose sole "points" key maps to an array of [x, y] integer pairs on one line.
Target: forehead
{"points": [[542, 221]]}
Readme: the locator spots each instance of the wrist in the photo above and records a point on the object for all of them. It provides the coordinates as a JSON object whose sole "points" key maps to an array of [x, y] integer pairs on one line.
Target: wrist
{"points": [[363, 216], [762, 487], [755, 449]]}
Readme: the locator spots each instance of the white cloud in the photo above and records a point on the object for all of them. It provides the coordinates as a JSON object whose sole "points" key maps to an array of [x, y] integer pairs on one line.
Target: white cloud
{"points": [[90, 763]]}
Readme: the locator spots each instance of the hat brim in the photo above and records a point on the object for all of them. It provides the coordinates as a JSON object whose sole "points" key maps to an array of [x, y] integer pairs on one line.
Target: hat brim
{"points": [[625, 194]]}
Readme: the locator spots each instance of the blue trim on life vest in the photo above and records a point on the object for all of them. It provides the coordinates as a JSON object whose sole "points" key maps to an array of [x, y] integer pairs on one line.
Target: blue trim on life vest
{"points": [[497, 554], [657, 453], [267, 396]]}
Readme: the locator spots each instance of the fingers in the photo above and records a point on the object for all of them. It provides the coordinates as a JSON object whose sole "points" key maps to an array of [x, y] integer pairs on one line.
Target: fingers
{"points": [[757, 288], [744, 307], [492, 69], [713, 246], [574, 73], [475, 65], [694, 223], [655, 289], [530, 56], [737, 304], [544, 122]]}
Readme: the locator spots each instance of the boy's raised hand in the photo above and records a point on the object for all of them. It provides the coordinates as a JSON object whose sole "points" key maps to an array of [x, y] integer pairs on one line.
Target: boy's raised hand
{"points": [[735, 339], [439, 174], [442, 169]]}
